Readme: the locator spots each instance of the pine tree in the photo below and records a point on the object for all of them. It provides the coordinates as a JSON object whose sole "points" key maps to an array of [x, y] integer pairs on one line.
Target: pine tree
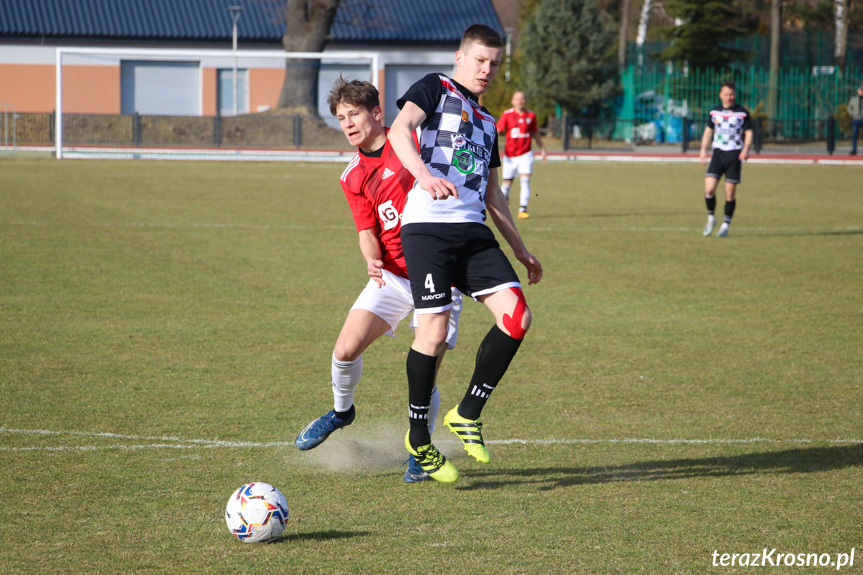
{"points": [[569, 56], [704, 37]]}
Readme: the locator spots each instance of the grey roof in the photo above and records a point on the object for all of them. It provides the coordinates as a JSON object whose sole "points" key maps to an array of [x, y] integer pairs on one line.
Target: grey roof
{"points": [[357, 21]]}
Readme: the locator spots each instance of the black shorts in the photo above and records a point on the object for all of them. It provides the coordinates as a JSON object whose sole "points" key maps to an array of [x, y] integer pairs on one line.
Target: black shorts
{"points": [[466, 256], [725, 162]]}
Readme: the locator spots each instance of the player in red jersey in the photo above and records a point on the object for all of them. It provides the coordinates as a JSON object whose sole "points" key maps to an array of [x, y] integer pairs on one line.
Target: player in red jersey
{"points": [[518, 124], [376, 185]]}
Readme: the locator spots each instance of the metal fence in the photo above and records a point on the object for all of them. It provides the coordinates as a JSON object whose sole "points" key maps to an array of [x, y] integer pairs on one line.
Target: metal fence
{"points": [[779, 135], [803, 49], [655, 109], [262, 131], [793, 95]]}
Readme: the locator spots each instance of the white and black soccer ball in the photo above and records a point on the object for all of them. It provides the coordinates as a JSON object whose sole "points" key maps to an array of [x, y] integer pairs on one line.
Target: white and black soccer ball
{"points": [[256, 512]]}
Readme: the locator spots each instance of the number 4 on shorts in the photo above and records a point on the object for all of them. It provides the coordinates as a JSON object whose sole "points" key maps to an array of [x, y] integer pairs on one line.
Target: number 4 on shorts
{"points": [[429, 283]]}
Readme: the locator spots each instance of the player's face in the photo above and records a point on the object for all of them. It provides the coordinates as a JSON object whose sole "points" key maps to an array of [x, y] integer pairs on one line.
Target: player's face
{"points": [[477, 67], [519, 102], [727, 95], [360, 126]]}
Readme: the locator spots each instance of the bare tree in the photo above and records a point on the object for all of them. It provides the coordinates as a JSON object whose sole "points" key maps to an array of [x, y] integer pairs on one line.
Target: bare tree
{"points": [[623, 39], [307, 27], [775, 44], [841, 11]]}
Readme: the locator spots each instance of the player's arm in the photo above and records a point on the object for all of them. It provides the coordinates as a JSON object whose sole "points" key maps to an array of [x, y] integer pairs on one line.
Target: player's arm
{"points": [[747, 143], [370, 247], [539, 143], [501, 124], [400, 136], [705, 141], [498, 208]]}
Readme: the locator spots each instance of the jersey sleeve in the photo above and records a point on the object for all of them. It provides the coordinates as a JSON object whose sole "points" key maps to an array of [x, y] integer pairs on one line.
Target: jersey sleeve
{"points": [[501, 123], [426, 94], [362, 209], [495, 155], [747, 120], [533, 129], [710, 121]]}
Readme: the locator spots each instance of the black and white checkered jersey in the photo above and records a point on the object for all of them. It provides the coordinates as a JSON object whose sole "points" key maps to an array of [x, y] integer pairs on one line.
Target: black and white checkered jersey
{"points": [[728, 125], [457, 141]]}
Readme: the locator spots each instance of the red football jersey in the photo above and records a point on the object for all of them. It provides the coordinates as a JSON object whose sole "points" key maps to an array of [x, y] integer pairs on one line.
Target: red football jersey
{"points": [[518, 129], [377, 189]]}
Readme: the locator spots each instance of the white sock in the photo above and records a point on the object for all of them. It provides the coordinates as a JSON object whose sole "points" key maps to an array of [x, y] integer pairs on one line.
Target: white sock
{"points": [[525, 191], [434, 407], [346, 377], [505, 189]]}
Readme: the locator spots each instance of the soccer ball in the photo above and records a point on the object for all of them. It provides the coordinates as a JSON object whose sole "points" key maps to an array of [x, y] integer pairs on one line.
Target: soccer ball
{"points": [[256, 512]]}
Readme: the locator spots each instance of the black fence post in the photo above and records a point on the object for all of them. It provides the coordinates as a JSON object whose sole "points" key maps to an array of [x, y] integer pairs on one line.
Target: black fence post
{"points": [[136, 129], [298, 131], [217, 130], [53, 127], [684, 137], [758, 136], [567, 131], [831, 135]]}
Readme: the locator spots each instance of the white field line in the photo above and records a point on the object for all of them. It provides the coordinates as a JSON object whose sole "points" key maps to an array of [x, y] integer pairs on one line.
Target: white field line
{"points": [[181, 443], [587, 229], [178, 226]]}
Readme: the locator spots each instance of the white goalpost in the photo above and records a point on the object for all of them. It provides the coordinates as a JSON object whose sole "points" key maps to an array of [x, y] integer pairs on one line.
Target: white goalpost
{"points": [[181, 103]]}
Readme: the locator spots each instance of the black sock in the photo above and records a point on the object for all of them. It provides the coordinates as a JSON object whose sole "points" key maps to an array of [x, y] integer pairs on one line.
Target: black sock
{"points": [[345, 414], [729, 210], [711, 204], [492, 360], [421, 375]]}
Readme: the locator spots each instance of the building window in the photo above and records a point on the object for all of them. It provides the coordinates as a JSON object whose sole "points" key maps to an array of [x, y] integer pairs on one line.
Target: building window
{"points": [[226, 92]]}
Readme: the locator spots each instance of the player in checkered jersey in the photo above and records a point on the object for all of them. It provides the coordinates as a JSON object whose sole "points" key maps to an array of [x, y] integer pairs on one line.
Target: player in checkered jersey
{"points": [[375, 184], [518, 124], [730, 129], [447, 242]]}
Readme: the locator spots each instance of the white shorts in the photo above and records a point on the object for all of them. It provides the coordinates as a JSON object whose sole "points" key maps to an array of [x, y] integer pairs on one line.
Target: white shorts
{"points": [[519, 165], [394, 302]]}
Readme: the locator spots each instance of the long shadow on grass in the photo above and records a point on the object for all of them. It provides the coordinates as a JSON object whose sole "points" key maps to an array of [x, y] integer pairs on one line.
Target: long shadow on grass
{"points": [[803, 460], [803, 234], [320, 536], [614, 215]]}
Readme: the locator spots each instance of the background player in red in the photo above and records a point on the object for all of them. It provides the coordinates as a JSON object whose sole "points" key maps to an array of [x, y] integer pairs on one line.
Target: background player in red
{"points": [[375, 184], [518, 125]]}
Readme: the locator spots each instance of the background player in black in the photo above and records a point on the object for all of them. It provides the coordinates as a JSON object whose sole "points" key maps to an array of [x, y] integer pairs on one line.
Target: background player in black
{"points": [[729, 127]]}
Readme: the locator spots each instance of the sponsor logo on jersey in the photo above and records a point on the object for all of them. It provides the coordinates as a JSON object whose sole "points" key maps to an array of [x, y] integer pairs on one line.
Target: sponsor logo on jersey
{"points": [[433, 296], [387, 173], [467, 156], [388, 214], [464, 116], [464, 161]]}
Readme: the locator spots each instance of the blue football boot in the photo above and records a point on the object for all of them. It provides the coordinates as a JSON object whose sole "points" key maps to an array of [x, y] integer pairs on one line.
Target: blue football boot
{"points": [[415, 473], [317, 431]]}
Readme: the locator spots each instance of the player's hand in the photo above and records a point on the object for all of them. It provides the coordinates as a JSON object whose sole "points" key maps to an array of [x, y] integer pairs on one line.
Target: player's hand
{"points": [[375, 269], [744, 155], [534, 268], [439, 188], [544, 155], [703, 159]]}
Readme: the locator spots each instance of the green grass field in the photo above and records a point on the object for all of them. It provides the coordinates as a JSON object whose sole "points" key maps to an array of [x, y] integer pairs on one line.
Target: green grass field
{"points": [[167, 330]]}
